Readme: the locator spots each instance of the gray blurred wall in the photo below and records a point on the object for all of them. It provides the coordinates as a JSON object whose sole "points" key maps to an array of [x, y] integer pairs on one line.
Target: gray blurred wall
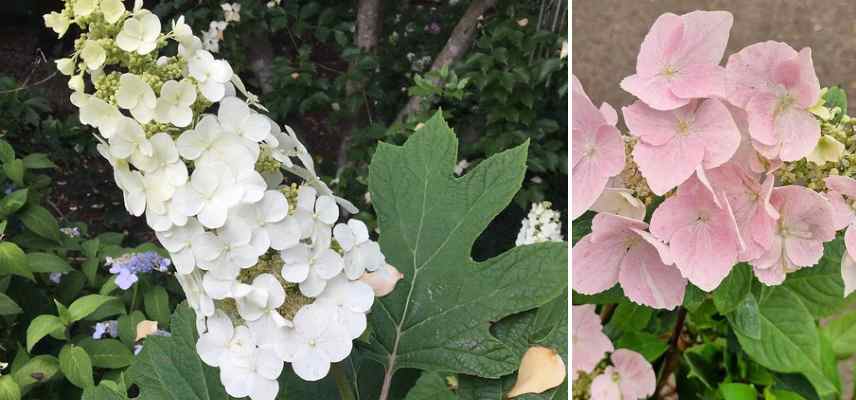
{"points": [[606, 34]]}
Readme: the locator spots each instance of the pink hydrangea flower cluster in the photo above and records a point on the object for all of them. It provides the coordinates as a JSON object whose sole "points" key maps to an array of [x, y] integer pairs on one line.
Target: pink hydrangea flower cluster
{"points": [[708, 138], [629, 377]]}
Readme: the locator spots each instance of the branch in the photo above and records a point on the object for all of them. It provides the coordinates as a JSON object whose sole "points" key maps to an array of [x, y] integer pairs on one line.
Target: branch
{"points": [[459, 42], [260, 54], [673, 357], [366, 38]]}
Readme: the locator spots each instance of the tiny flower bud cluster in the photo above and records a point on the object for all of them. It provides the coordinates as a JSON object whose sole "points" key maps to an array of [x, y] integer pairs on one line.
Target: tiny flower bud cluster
{"points": [[271, 273]]}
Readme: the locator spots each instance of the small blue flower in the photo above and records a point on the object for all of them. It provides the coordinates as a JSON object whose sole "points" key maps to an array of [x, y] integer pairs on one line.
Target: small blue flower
{"points": [[110, 328], [128, 266], [56, 277]]}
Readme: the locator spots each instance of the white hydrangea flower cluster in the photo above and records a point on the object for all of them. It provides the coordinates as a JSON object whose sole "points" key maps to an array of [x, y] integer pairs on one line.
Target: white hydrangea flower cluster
{"points": [[543, 224], [271, 273]]}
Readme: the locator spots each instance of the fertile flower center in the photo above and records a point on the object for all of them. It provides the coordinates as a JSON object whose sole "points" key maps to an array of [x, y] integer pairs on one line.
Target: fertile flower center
{"points": [[312, 343], [669, 71], [630, 241], [785, 102], [683, 128]]}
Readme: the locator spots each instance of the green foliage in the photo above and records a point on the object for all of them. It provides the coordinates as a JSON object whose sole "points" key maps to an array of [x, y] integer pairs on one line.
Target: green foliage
{"points": [[437, 317], [169, 368]]}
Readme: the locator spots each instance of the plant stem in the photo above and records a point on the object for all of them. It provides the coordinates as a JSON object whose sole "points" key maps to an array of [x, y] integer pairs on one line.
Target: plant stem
{"points": [[342, 382], [673, 356], [134, 297], [606, 312]]}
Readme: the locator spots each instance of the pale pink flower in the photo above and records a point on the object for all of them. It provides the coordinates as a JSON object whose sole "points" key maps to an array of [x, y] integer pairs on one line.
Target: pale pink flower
{"points": [[776, 86], [597, 152], [842, 195], [703, 237], [805, 223], [619, 251], [673, 144], [750, 202], [746, 155], [589, 344], [630, 377], [605, 386], [679, 59]]}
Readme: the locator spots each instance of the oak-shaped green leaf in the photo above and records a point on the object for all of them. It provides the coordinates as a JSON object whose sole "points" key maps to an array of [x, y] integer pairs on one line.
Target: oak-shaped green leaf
{"points": [[431, 386], [439, 315], [169, 368]]}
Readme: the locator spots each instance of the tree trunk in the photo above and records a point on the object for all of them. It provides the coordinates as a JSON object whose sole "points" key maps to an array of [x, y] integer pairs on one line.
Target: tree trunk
{"points": [[459, 42]]}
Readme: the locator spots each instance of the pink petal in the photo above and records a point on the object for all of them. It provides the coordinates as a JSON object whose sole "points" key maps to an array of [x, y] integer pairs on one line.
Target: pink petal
{"points": [[798, 131], [601, 156], [587, 183], [584, 115], [804, 212], [699, 81], [850, 241], [651, 126], [605, 226], [843, 184], [842, 212], [596, 265], [669, 165], [673, 214], [662, 248], [807, 88], [646, 280], [705, 253], [609, 114], [603, 387], [704, 38], [848, 274], [589, 344], [772, 257], [749, 71], [771, 276], [761, 111], [654, 90], [802, 252], [713, 123], [661, 41], [637, 378]]}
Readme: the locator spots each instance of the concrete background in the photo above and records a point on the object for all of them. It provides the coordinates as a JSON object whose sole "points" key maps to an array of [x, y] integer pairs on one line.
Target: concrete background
{"points": [[606, 35]]}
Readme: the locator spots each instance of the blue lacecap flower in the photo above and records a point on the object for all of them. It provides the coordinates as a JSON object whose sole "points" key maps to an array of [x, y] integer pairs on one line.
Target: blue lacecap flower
{"points": [[128, 266]]}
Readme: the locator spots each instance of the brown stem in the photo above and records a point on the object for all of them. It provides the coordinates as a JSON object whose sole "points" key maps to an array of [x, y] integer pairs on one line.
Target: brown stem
{"points": [[606, 313], [457, 45], [673, 357]]}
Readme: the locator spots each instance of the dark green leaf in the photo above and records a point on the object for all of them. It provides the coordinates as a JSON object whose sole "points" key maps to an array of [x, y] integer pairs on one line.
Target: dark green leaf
{"points": [[738, 391], [76, 366], [107, 353], [41, 222], [42, 326], [8, 306], [733, 288], [156, 302], [86, 305], [14, 261], [169, 368], [437, 318], [47, 262]]}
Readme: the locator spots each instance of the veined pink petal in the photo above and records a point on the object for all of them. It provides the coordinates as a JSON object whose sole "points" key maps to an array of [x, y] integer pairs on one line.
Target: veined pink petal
{"points": [[646, 280], [699, 81], [662, 248], [842, 212], [597, 152], [652, 126], [702, 236], [605, 226], [713, 123], [654, 90], [798, 131], [588, 343], [669, 165], [842, 184], [637, 378], [807, 88], [602, 156], [761, 110], [596, 265], [704, 38], [750, 71], [659, 45], [803, 252]]}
